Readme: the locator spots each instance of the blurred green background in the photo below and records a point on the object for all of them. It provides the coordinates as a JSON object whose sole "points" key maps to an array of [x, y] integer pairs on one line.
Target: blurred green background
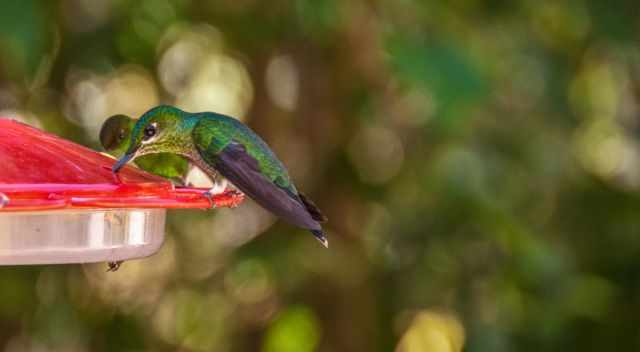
{"points": [[479, 162]]}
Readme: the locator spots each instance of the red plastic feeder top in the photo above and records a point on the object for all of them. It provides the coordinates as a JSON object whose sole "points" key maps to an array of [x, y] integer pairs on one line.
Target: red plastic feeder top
{"points": [[60, 202]]}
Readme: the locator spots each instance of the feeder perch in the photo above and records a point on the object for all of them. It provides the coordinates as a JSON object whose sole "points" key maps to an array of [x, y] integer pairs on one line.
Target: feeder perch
{"points": [[60, 202]]}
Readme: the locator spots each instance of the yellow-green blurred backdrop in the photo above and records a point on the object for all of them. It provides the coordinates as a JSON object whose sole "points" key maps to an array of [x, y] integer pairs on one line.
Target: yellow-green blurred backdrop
{"points": [[479, 162]]}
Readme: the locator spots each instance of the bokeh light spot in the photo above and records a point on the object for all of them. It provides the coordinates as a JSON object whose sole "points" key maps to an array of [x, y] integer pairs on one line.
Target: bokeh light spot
{"points": [[295, 330], [433, 332]]}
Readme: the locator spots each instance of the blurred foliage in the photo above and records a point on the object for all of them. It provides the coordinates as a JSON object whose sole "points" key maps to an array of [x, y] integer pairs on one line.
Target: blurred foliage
{"points": [[478, 160]]}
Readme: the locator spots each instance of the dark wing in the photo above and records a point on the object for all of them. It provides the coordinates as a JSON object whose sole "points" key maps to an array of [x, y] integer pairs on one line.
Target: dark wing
{"points": [[241, 169]]}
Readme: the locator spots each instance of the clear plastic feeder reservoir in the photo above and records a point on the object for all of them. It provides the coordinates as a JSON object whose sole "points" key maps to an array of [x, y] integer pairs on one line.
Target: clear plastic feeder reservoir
{"points": [[60, 202]]}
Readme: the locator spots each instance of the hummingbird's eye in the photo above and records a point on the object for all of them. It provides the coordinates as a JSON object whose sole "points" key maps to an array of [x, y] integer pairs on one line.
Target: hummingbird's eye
{"points": [[150, 131]]}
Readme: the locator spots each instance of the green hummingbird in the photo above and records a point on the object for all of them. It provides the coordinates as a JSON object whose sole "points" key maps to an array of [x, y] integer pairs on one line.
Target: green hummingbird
{"points": [[219, 144], [115, 136]]}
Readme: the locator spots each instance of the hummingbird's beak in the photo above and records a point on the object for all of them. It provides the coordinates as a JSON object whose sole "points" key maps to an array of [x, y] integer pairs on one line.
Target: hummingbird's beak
{"points": [[122, 162]]}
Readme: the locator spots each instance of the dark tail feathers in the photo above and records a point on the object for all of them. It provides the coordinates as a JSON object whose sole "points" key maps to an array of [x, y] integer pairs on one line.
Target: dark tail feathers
{"points": [[321, 237], [316, 214]]}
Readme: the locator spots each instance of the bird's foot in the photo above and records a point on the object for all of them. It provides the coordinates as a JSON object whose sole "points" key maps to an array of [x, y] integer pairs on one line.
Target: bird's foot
{"points": [[209, 197], [218, 188], [229, 192], [232, 192], [114, 266]]}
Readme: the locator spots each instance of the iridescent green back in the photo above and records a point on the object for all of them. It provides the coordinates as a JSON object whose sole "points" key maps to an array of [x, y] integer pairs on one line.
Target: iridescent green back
{"points": [[214, 132]]}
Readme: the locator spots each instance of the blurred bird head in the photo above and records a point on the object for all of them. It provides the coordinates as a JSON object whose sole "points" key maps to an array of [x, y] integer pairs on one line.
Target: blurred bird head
{"points": [[115, 134]]}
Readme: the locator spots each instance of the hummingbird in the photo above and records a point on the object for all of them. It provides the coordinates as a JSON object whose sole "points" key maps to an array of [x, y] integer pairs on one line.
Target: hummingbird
{"points": [[219, 144], [115, 136]]}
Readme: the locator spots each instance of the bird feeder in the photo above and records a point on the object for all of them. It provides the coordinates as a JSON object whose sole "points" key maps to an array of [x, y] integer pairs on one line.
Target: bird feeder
{"points": [[60, 202]]}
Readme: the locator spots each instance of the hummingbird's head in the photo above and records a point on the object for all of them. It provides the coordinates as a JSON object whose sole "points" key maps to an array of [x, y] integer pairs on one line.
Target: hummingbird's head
{"points": [[159, 130], [115, 134]]}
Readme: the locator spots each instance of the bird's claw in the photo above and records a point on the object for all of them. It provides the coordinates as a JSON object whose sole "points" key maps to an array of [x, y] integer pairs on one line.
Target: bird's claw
{"points": [[114, 266], [209, 197], [231, 193], [234, 193]]}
